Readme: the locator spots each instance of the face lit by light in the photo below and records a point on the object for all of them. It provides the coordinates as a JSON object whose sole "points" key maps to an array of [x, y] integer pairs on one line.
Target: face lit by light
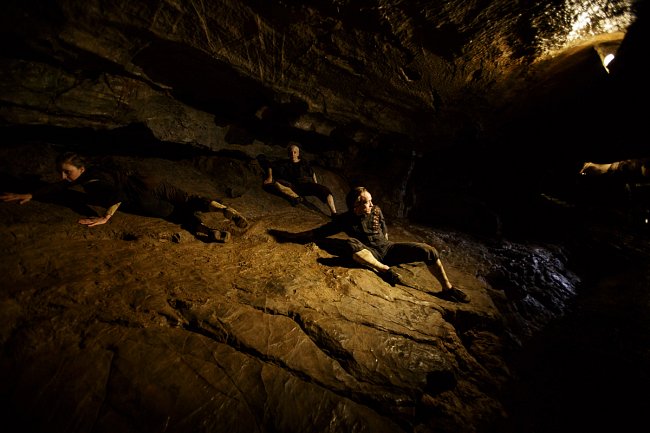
{"points": [[363, 205], [294, 153], [70, 172]]}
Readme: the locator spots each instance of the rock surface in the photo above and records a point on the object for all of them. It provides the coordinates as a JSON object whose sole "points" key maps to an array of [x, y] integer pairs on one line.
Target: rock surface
{"points": [[451, 112], [138, 325], [465, 119]]}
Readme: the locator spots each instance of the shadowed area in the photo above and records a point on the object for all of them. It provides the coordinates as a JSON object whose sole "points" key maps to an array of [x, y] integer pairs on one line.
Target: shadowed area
{"points": [[470, 122]]}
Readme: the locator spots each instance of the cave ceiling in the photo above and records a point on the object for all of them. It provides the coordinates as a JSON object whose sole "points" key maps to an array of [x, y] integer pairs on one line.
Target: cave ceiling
{"points": [[449, 111], [422, 75]]}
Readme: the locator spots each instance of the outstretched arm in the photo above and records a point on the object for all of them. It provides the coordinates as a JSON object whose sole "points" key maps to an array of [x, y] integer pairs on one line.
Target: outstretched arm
{"points": [[51, 189], [328, 229], [285, 236], [20, 198], [630, 167], [97, 221], [592, 168]]}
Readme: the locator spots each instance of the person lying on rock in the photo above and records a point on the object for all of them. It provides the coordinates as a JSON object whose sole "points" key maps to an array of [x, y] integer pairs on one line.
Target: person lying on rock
{"points": [[369, 245], [113, 188], [295, 178]]}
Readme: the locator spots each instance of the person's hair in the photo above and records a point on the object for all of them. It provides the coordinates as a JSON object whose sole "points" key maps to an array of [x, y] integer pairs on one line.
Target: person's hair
{"points": [[71, 158], [353, 196]]}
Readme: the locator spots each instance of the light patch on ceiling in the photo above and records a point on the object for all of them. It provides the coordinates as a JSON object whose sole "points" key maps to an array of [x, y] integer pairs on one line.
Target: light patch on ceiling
{"points": [[578, 21]]}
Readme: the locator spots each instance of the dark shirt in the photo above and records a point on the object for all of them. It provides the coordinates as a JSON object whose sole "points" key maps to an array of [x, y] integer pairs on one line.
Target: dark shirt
{"points": [[294, 172], [369, 232], [368, 229], [101, 187], [138, 193]]}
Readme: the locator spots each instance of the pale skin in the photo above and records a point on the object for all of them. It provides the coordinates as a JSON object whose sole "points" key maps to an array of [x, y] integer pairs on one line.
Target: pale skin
{"points": [[363, 207], [70, 173], [294, 155], [595, 168]]}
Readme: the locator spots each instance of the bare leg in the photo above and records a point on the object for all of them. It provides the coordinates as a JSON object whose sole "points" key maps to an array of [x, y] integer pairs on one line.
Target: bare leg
{"points": [[286, 190], [213, 235], [438, 271], [366, 258], [219, 206], [330, 203], [449, 292], [230, 214], [387, 273]]}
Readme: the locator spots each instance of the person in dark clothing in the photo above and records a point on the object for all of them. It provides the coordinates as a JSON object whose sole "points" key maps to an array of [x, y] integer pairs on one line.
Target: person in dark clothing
{"points": [[369, 246], [295, 178], [114, 188]]}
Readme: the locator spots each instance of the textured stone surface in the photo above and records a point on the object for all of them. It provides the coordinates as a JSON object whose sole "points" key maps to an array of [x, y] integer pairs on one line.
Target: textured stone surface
{"points": [[124, 327], [459, 115], [423, 71], [437, 106]]}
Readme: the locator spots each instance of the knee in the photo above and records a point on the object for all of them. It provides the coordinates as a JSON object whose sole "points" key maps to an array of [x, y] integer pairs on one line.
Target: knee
{"points": [[433, 257]]}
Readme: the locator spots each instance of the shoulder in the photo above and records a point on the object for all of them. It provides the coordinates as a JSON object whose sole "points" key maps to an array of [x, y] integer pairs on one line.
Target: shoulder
{"points": [[101, 175]]}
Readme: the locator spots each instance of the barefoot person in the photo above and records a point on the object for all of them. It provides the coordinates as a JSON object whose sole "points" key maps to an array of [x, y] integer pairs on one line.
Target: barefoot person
{"points": [[369, 245], [134, 193]]}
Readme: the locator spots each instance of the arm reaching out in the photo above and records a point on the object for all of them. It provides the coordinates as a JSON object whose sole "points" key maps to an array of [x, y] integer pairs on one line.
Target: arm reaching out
{"points": [[285, 236], [627, 167], [592, 168], [97, 221], [20, 198]]}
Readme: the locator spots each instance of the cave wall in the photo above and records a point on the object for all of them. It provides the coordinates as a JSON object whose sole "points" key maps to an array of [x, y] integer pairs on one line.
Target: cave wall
{"points": [[444, 109]]}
